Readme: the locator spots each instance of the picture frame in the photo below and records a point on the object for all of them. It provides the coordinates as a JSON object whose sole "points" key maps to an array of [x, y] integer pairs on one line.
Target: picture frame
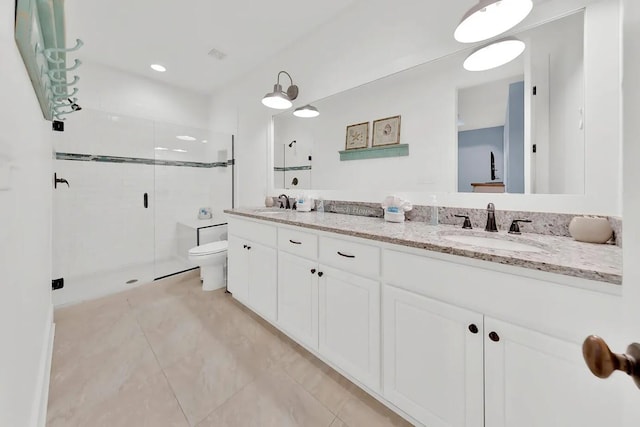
{"points": [[357, 136], [386, 131]]}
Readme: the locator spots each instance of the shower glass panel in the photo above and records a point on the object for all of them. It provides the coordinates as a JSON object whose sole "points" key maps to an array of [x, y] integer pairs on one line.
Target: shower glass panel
{"points": [[103, 236], [134, 184]]}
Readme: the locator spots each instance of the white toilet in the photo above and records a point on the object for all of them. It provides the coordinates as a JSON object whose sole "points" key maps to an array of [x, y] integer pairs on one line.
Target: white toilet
{"points": [[212, 260]]}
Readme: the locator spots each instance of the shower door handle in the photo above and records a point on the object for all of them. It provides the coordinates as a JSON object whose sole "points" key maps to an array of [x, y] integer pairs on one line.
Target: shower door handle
{"points": [[146, 200]]}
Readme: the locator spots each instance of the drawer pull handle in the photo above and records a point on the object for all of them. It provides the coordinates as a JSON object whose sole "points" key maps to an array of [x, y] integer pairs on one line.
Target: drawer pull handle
{"points": [[313, 271], [494, 337], [346, 255], [320, 274], [473, 329], [244, 246], [294, 242], [249, 248]]}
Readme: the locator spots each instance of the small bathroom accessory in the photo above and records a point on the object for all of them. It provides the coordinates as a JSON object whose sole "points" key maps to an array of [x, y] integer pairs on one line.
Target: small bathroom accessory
{"points": [[204, 213], [305, 203], [394, 208], [590, 229], [268, 202]]}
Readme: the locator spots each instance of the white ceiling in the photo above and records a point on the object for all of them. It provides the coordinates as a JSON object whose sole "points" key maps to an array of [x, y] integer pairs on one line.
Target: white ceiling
{"points": [[132, 34]]}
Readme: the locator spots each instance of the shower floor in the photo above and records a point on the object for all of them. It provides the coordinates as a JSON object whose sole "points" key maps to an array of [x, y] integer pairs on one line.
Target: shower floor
{"points": [[77, 289]]}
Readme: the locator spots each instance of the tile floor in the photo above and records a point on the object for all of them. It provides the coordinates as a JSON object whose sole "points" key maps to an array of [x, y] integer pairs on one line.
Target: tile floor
{"points": [[167, 354]]}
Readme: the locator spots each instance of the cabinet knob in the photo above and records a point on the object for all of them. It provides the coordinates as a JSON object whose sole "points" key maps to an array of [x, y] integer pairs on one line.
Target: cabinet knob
{"points": [[493, 336], [249, 248], [473, 328], [244, 246], [602, 362], [320, 274], [313, 271]]}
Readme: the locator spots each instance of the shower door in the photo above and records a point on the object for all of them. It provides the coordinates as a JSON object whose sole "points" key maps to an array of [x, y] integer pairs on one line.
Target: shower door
{"points": [[103, 222]]}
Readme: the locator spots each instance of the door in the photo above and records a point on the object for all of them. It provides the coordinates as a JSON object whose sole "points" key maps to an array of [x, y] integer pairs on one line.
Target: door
{"points": [[238, 269], [349, 316], [298, 298], [433, 360], [263, 280], [535, 380]]}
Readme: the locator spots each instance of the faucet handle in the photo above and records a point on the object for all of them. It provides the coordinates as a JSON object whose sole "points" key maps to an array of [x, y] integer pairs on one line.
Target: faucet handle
{"points": [[515, 228], [467, 221]]}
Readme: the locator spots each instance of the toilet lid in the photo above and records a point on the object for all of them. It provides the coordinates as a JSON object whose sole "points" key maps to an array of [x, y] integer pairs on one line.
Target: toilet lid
{"points": [[209, 248]]}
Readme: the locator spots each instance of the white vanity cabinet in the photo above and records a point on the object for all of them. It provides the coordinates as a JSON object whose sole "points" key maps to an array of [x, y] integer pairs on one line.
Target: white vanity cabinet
{"points": [[349, 319], [533, 379], [253, 266], [433, 360]]}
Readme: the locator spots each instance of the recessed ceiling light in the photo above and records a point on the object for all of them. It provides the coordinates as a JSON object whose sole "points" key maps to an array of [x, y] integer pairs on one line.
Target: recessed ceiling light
{"points": [[494, 55], [179, 150], [489, 18], [161, 148], [159, 68], [204, 141], [185, 138]]}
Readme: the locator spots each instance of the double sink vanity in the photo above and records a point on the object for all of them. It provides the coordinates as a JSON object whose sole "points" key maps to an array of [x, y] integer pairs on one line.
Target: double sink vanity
{"points": [[444, 325]]}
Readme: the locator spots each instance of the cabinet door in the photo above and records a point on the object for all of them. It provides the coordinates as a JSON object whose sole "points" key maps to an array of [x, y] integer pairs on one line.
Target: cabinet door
{"points": [[238, 269], [349, 324], [263, 280], [298, 298], [433, 360], [536, 380]]}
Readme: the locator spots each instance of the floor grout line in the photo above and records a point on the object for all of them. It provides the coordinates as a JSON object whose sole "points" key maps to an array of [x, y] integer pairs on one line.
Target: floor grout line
{"points": [[175, 396]]}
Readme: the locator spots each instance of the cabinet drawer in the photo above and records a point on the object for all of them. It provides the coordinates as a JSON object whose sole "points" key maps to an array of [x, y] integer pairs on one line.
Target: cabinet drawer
{"points": [[350, 256], [254, 231], [298, 243]]}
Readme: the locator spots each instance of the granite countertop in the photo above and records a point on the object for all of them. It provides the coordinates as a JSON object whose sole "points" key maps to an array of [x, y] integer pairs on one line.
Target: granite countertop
{"points": [[560, 255]]}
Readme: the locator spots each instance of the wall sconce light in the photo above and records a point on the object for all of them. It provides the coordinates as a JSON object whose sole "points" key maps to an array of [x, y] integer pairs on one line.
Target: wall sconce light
{"points": [[279, 99], [490, 18], [494, 54], [308, 111]]}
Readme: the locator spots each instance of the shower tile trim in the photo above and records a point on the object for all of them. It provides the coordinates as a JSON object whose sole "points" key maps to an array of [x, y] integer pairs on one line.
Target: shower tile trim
{"points": [[292, 168], [138, 160]]}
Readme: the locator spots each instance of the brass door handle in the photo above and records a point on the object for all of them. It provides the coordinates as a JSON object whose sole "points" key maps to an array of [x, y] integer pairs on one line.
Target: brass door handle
{"points": [[603, 362]]}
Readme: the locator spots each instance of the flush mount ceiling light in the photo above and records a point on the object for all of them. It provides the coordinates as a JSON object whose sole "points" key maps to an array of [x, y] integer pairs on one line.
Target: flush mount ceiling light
{"points": [[185, 138], [279, 99], [308, 111], [490, 18], [179, 150], [161, 148], [159, 68], [494, 55]]}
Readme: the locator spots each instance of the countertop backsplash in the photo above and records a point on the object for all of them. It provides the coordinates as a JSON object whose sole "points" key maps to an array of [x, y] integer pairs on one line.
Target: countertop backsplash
{"points": [[551, 224]]}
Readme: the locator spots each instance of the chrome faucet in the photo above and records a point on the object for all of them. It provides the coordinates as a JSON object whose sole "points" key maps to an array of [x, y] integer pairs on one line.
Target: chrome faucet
{"points": [[491, 218], [284, 205]]}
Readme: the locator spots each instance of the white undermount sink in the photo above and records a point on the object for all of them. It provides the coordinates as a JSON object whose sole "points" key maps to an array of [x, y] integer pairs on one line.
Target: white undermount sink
{"points": [[491, 243]]}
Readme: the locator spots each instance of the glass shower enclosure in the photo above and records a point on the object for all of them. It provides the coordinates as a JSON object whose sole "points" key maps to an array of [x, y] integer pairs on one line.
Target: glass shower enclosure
{"points": [[130, 211]]}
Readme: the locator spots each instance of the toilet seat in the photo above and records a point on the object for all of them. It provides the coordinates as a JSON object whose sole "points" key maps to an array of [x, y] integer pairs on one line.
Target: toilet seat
{"points": [[209, 248]]}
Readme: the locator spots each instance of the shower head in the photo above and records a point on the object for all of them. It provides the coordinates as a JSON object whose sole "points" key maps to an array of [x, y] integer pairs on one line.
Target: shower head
{"points": [[292, 142]]}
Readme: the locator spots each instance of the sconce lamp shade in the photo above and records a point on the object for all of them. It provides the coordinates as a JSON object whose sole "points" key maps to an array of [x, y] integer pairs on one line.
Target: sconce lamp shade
{"points": [[490, 18], [494, 55], [308, 111], [277, 99]]}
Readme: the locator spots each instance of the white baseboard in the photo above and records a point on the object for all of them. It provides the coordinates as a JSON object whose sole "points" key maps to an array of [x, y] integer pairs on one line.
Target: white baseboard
{"points": [[41, 399]]}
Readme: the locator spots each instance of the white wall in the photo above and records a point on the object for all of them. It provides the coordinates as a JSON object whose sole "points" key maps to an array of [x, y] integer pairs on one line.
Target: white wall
{"points": [[327, 62], [25, 237]]}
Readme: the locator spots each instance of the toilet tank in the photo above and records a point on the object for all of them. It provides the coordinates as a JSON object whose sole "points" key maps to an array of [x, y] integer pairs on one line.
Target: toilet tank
{"points": [[188, 233]]}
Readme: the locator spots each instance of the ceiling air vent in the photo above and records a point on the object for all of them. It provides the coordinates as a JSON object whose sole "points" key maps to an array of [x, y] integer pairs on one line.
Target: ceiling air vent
{"points": [[215, 53]]}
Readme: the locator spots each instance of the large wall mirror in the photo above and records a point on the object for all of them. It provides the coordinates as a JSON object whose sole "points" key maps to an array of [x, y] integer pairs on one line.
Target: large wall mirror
{"points": [[520, 128]]}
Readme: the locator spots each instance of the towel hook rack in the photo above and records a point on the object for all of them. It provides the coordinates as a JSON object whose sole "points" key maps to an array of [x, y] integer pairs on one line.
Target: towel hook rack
{"points": [[48, 52]]}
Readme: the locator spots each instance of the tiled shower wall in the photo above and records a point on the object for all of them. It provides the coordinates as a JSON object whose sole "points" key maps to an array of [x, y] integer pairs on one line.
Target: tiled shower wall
{"points": [[100, 223]]}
